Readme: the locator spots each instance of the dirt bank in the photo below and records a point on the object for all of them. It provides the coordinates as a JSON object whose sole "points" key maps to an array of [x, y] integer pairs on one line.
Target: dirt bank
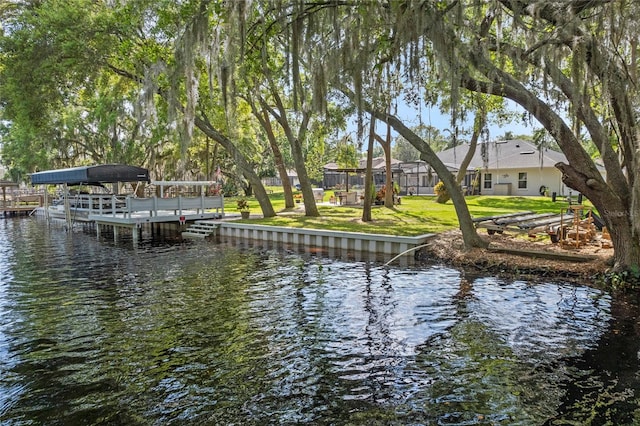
{"points": [[448, 247]]}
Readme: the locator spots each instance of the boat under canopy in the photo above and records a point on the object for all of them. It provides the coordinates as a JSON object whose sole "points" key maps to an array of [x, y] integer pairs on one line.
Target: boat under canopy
{"points": [[88, 175]]}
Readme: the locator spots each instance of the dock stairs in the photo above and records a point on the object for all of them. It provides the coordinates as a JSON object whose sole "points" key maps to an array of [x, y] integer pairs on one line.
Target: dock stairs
{"points": [[201, 229]]}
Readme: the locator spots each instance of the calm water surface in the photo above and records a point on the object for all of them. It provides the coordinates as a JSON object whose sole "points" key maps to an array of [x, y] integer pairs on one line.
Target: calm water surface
{"points": [[97, 332]]}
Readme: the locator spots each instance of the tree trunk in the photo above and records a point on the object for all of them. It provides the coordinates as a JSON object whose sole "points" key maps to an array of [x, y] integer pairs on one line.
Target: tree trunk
{"points": [[310, 207], [368, 180], [388, 194], [478, 125], [626, 243], [278, 160], [247, 170], [263, 118], [469, 235], [388, 183], [614, 203], [615, 198], [214, 157]]}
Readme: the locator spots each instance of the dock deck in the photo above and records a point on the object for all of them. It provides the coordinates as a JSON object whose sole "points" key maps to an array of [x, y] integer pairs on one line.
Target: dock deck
{"points": [[132, 213], [20, 205], [180, 209]]}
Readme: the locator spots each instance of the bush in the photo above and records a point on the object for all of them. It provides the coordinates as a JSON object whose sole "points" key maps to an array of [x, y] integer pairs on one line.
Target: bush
{"points": [[440, 189]]}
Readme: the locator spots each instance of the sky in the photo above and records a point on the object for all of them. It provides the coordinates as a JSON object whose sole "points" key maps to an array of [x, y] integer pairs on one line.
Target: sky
{"points": [[435, 118]]}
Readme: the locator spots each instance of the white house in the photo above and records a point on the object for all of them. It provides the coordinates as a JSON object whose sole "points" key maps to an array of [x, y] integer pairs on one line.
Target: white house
{"points": [[513, 167]]}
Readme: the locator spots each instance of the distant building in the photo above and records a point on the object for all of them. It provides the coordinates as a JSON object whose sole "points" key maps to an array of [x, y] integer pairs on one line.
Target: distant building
{"points": [[417, 177], [336, 177], [276, 181]]}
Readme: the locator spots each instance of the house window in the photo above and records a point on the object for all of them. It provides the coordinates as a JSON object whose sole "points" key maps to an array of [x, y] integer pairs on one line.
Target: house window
{"points": [[487, 181], [522, 181]]}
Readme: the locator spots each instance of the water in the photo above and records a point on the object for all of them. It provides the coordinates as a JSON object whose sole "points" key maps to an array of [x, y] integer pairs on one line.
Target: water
{"points": [[94, 332]]}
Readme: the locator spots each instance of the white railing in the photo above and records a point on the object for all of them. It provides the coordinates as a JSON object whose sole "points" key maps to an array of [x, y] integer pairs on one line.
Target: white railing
{"points": [[95, 204], [178, 205]]}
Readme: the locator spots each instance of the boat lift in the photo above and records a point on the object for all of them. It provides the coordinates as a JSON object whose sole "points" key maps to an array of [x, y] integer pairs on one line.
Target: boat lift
{"points": [[120, 211]]}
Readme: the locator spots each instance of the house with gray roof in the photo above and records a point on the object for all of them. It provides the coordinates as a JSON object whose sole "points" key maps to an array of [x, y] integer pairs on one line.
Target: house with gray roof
{"points": [[507, 167], [510, 167]]}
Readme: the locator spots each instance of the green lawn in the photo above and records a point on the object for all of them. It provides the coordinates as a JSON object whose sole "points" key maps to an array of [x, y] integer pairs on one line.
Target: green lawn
{"points": [[414, 216]]}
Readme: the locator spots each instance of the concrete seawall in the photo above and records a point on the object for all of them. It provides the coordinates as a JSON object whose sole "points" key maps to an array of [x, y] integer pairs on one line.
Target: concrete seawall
{"points": [[352, 245]]}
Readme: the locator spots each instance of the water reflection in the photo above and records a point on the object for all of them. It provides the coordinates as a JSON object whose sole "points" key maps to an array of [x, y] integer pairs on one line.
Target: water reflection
{"points": [[198, 333]]}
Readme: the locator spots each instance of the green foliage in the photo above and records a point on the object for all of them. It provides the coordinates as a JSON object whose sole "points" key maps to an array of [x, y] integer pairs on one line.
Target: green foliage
{"points": [[543, 140], [404, 151], [75, 109], [229, 188], [347, 156], [627, 280], [124, 81], [242, 204]]}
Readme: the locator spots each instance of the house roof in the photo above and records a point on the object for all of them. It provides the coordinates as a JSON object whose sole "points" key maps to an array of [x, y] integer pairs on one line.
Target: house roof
{"points": [[420, 166], [104, 173], [378, 164], [510, 154]]}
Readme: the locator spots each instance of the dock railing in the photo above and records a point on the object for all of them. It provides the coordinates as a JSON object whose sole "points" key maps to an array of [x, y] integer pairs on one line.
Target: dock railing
{"points": [[96, 203], [177, 205]]}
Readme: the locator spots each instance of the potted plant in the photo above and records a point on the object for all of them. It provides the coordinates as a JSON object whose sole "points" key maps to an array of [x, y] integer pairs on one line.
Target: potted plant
{"points": [[243, 206]]}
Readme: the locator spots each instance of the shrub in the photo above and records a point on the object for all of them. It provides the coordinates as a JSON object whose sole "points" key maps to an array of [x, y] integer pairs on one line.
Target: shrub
{"points": [[440, 189]]}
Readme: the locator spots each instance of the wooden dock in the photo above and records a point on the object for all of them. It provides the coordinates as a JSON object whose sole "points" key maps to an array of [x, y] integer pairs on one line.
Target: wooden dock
{"points": [[16, 202], [17, 211]]}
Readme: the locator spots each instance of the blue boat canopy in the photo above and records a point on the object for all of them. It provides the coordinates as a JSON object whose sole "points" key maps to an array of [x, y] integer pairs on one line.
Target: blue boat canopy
{"points": [[91, 175]]}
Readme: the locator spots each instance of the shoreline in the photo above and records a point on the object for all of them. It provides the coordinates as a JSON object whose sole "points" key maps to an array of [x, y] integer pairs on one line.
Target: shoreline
{"points": [[448, 248]]}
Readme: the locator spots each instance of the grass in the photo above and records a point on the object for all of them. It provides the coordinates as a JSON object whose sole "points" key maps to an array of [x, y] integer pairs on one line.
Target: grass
{"points": [[416, 215]]}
